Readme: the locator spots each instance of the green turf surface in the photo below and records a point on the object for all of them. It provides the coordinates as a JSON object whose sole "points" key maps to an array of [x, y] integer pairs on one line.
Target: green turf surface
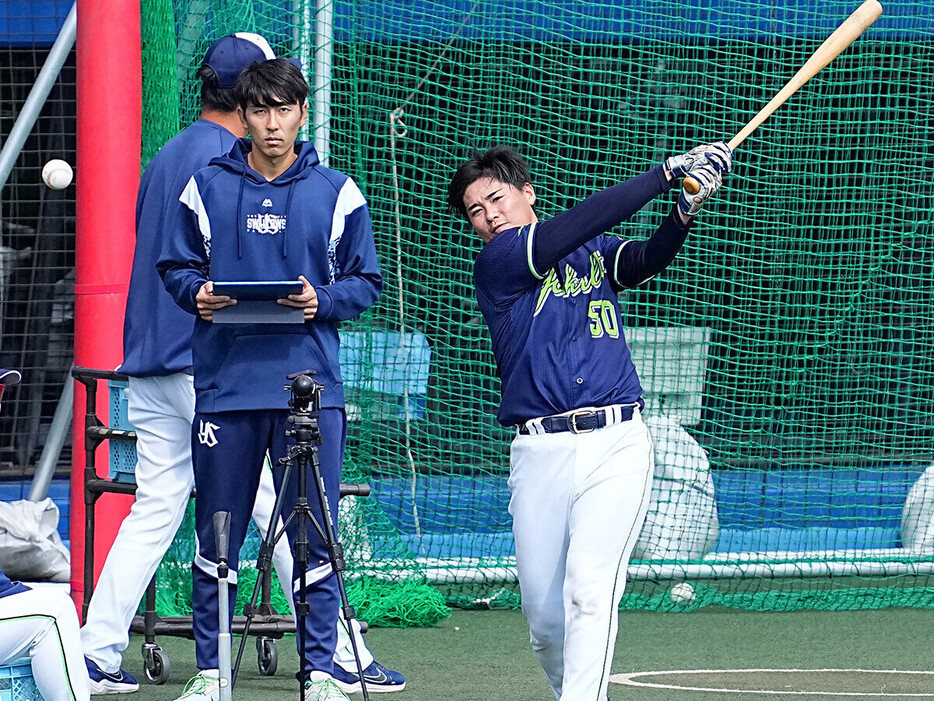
{"points": [[485, 656]]}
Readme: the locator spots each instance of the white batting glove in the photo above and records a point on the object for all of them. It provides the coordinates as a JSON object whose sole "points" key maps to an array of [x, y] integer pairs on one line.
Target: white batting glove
{"points": [[720, 156], [710, 180], [679, 166]]}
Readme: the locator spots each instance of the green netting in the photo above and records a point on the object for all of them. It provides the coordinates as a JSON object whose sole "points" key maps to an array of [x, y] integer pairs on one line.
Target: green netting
{"points": [[160, 108], [787, 353]]}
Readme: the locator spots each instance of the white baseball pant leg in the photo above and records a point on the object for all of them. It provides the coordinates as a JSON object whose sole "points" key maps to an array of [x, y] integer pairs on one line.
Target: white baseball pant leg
{"points": [[44, 625], [282, 559], [161, 410], [578, 503]]}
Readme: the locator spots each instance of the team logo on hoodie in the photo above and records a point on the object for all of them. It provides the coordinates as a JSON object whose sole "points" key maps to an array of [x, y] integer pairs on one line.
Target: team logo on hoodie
{"points": [[267, 223]]}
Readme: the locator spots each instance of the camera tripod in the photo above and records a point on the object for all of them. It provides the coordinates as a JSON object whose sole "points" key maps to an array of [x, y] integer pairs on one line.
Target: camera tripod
{"points": [[304, 405]]}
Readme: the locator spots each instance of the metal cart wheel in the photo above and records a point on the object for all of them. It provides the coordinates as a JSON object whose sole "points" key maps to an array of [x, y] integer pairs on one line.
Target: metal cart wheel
{"points": [[156, 664], [267, 656]]}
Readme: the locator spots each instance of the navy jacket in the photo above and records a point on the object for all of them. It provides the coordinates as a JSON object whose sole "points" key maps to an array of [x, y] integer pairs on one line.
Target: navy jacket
{"points": [[156, 333], [234, 225]]}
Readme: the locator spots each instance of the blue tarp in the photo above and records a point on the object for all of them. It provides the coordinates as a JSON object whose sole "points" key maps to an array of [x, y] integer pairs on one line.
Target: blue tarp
{"points": [[786, 509], [390, 364], [36, 22], [32, 23], [807, 508]]}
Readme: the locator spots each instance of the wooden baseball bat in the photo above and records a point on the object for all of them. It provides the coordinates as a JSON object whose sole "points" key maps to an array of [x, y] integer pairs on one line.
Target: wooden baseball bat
{"points": [[836, 43]]}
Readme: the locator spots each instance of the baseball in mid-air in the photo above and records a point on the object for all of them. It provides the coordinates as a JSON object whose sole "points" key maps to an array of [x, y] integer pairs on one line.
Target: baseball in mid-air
{"points": [[682, 593], [57, 174]]}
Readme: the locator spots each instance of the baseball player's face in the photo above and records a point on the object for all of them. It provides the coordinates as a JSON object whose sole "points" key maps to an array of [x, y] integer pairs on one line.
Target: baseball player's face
{"points": [[274, 128], [493, 206]]}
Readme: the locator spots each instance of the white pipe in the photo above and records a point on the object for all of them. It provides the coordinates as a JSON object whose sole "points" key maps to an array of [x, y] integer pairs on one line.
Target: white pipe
{"points": [[862, 563], [324, 52]]}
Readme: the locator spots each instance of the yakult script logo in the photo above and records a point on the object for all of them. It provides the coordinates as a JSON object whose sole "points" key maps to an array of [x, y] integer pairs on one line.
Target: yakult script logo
{"points": [[573, 285]]}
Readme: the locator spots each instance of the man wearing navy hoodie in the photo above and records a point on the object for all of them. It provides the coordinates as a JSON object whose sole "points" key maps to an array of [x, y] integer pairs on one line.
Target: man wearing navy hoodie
{"points": [[267, 211]]}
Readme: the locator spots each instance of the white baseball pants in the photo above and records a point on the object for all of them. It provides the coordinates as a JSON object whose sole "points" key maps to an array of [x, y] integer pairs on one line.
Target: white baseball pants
{"points": [[43, 624], [161, 410], [578, 503]]}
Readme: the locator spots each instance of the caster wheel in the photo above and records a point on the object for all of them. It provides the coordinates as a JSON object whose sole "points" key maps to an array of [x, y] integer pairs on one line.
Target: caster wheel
{"points": [[267, 656], [156, 665]]}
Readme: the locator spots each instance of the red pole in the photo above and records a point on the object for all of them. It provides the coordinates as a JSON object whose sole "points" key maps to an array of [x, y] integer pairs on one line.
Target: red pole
{"points": [[108, 163]]}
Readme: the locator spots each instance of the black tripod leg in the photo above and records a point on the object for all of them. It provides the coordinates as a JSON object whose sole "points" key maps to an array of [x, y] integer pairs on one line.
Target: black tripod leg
{"points": [[301, 562], [263, 563], [336, 555]]}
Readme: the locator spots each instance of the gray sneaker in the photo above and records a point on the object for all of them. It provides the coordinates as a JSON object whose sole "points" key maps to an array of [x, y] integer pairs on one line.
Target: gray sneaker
{"points": [[321, 687]]}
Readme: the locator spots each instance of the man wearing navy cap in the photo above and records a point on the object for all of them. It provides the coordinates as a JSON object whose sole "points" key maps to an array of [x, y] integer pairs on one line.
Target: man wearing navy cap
{"points": [[157, 358]]}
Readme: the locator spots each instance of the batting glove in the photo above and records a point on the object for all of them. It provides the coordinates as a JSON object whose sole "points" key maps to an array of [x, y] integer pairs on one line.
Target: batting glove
{"points": [[709, 179], [720, 156], [679, 166], [717, 154]]}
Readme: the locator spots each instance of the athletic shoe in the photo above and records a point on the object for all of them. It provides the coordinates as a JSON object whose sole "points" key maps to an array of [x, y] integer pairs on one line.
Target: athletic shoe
{"points": [[321, 687], [110, 683], [378, 679], [204, 687]]}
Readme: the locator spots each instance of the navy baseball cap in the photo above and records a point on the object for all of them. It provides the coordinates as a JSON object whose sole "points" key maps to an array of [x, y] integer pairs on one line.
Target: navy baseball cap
{"points": [[228, 56], [9, 377]]}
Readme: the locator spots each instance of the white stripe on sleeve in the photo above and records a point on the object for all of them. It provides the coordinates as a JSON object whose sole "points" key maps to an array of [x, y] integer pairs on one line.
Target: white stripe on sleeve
{"points": [[191, 198], [349, 199]]}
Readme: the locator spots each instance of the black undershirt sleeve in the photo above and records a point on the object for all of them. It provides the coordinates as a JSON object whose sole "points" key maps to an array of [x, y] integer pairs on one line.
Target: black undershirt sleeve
{"points": [[596, 215]]}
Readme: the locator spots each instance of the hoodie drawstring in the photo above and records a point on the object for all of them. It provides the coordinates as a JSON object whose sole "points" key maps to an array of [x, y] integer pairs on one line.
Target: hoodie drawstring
{"points": [[240, 222], [288, 209]]}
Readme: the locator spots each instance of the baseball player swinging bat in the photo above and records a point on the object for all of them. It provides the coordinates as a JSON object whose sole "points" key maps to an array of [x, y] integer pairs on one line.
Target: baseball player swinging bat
{"points": [[836, 43]]}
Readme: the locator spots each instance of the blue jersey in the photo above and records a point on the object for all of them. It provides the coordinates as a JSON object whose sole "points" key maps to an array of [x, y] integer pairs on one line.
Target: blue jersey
{"points": [[548, 292], [156, 333], [234, 225]]}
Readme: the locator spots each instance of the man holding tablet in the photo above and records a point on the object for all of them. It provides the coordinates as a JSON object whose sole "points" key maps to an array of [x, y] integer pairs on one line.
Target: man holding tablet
{"points": [[267, 212]]}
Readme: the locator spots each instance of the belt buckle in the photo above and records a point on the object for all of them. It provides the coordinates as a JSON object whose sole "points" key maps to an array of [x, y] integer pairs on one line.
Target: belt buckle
{"points": [[581, 413]]}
